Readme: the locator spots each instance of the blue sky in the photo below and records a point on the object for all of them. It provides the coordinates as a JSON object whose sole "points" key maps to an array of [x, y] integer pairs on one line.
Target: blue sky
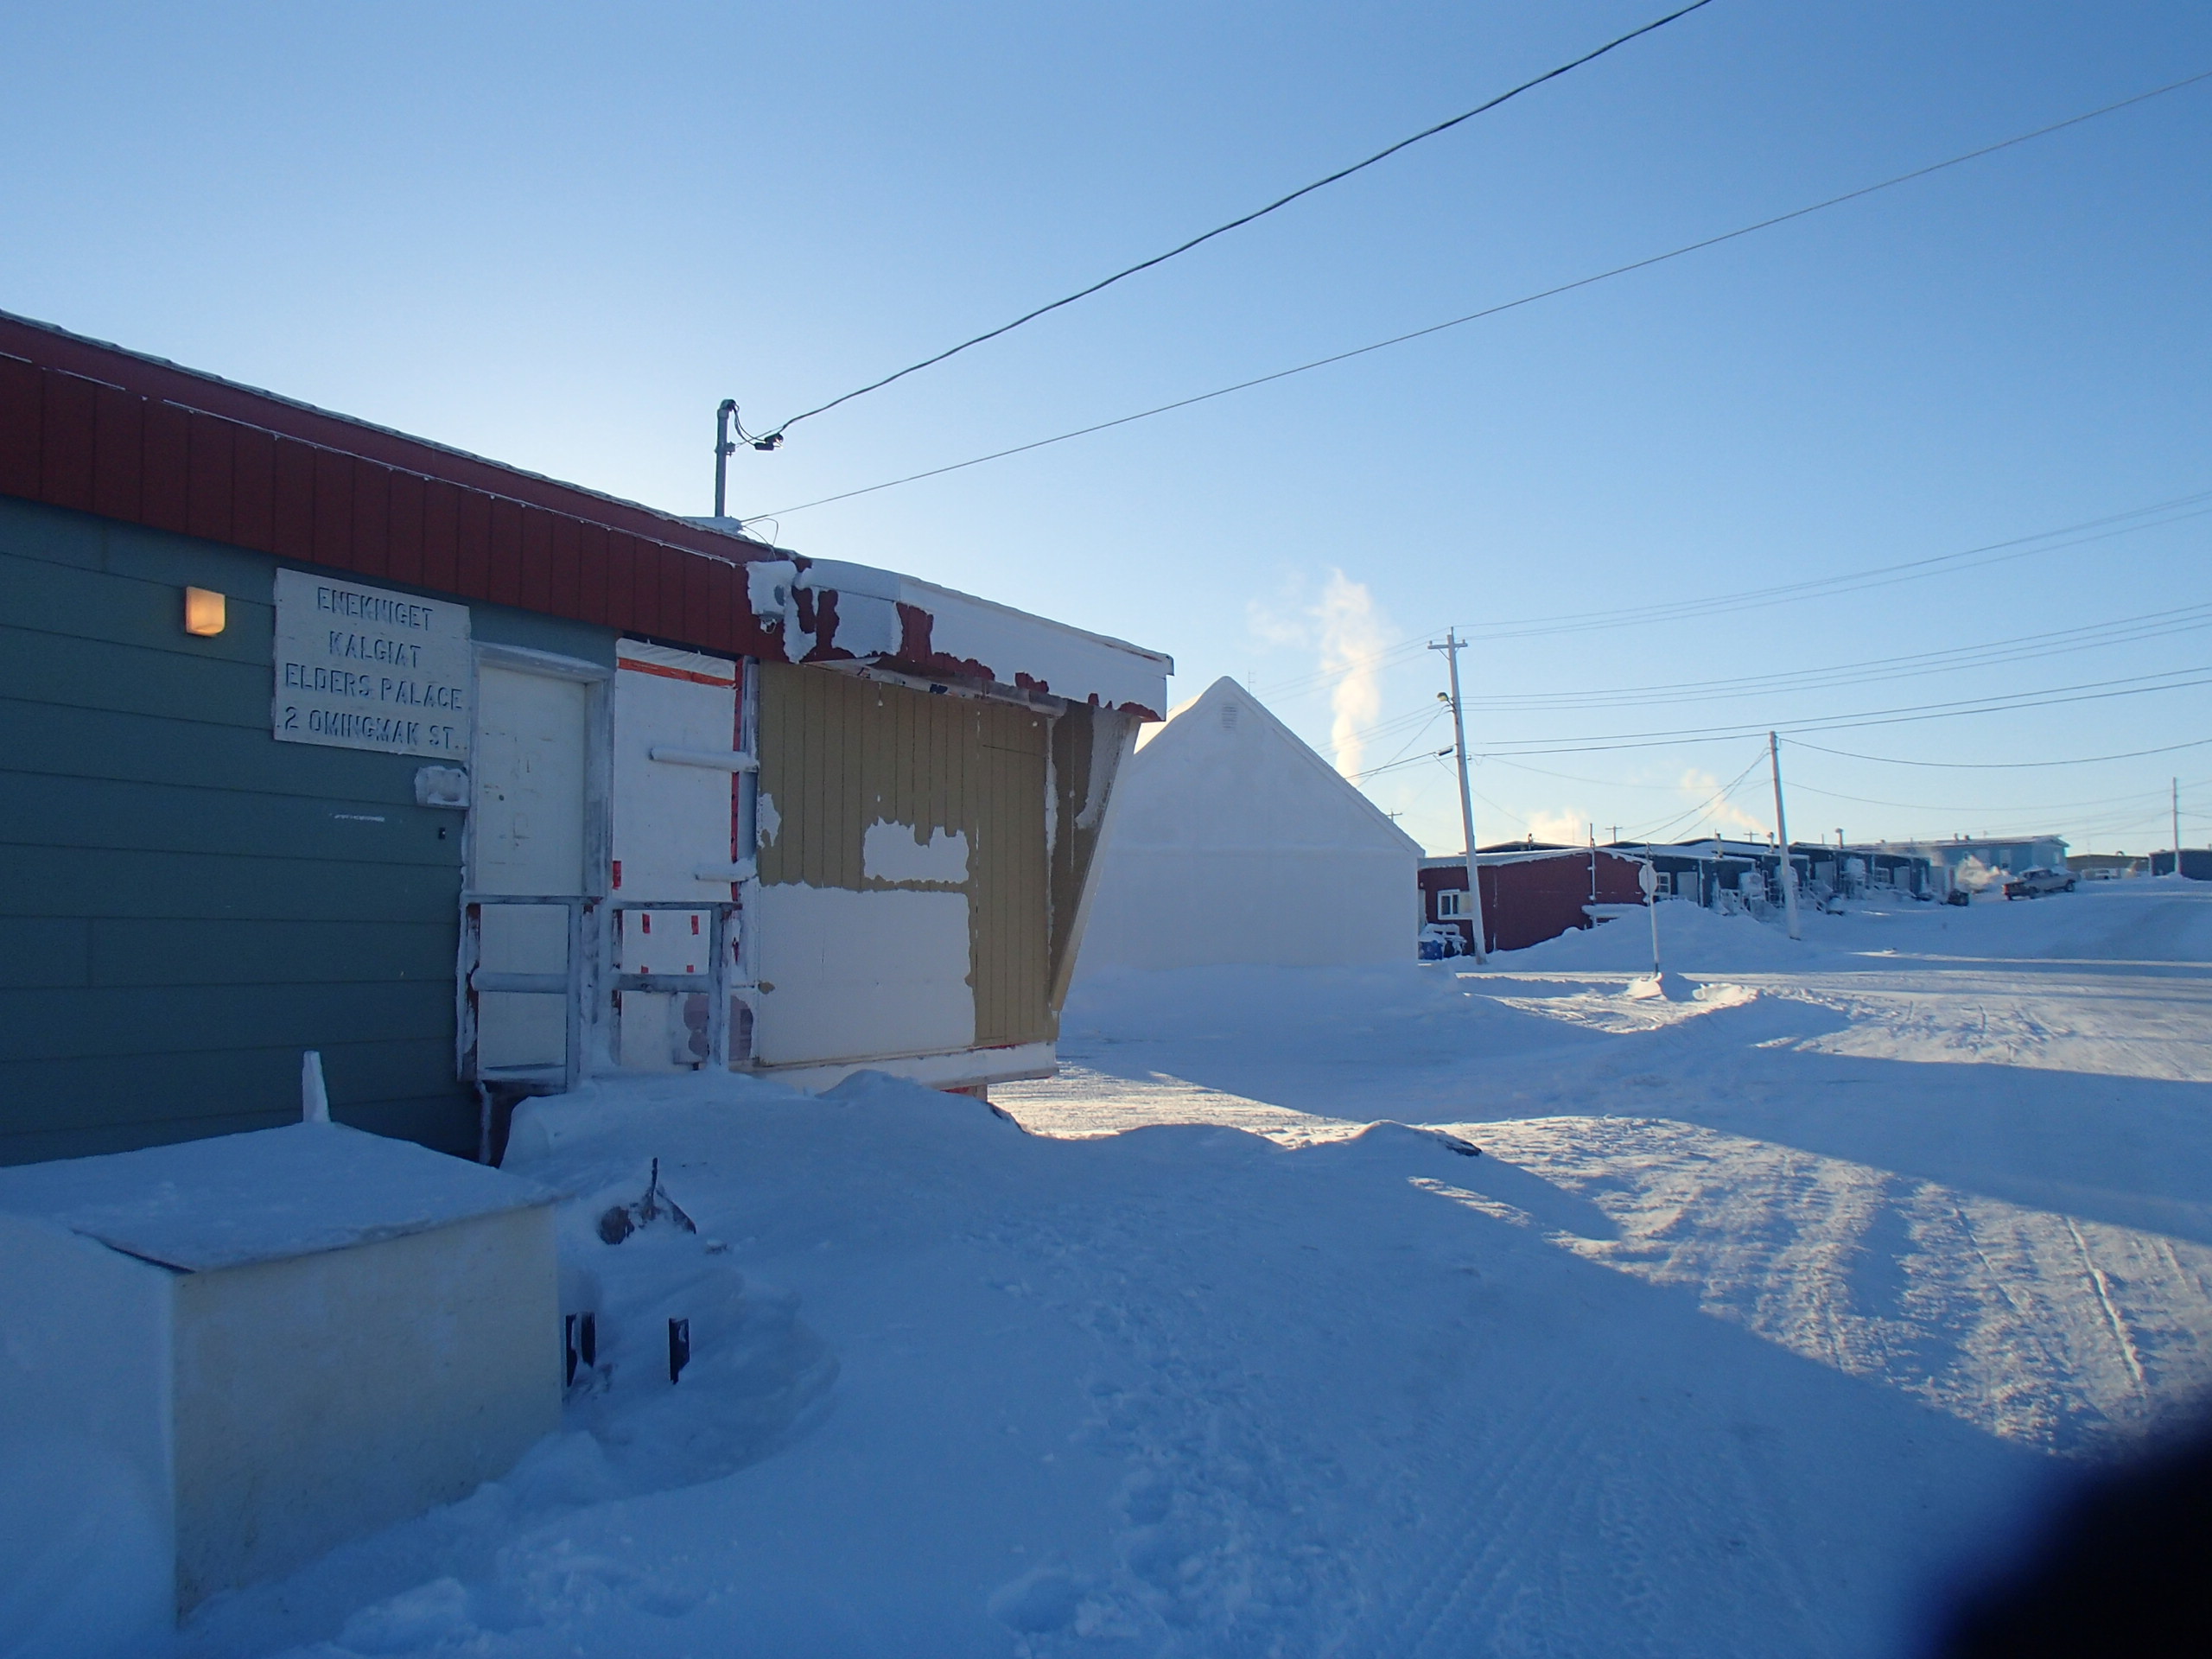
{"points": [[559, 235]]}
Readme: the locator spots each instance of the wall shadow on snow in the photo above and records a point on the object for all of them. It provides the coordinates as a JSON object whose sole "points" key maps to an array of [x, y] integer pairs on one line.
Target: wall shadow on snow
{"points": [[1517, 1449], [2130, 1152]]}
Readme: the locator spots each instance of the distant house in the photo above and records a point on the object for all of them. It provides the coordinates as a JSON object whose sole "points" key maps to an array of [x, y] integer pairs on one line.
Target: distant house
{"points": [[1720, 874], [2001, 856], [2196, 863], [1531, 892], [1855, 871], [1233, 841], [1702, 871]]}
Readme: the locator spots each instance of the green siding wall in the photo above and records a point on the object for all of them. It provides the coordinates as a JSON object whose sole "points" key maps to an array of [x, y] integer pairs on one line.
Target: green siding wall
{"points": [[188, 903]]}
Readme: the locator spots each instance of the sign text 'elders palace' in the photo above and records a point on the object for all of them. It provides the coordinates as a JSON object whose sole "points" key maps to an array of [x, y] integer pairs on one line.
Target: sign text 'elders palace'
{"points": [[364, 667]]}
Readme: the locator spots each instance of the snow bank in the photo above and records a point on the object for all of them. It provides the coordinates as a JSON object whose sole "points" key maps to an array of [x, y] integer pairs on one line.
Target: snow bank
{"points": [[1744, 1326]]}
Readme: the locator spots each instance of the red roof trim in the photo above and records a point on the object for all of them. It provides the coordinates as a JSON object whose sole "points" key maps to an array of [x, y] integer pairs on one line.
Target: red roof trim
{"points": [[92, 427]]}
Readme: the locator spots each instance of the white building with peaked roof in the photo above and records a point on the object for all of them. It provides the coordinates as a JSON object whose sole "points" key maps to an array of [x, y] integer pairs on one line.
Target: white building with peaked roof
{"points": [[1232, 841]]}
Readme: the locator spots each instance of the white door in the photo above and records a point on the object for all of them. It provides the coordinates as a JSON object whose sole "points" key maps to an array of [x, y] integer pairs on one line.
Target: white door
{"points": [[677, 785], [528, 840], [530, 783]]}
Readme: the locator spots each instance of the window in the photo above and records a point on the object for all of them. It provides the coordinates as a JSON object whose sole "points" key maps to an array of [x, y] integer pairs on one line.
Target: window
{"points": [[1452, 904]]}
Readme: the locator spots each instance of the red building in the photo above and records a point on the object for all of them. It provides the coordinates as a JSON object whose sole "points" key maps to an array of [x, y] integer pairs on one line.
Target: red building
{"points": [[1530, 892]]}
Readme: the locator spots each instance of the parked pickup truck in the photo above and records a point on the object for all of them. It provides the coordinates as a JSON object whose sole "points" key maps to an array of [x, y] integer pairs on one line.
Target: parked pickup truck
{"points": [[2034, 883]]}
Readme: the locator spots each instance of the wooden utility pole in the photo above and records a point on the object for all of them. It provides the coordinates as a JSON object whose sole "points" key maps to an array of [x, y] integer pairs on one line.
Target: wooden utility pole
{"points": [[1453, 645]]}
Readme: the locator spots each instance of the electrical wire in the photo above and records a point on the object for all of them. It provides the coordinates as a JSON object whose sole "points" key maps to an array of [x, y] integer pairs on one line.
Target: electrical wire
{"points": [[1716, 799], [1434, 715], [1510, 305], [1973, 558], [1798, 787], [1238, 223], [1392, 766], [2008, 765], [1873, 577], [2088, 692], [1996, 653], [1571, 777], [2123, 631]]}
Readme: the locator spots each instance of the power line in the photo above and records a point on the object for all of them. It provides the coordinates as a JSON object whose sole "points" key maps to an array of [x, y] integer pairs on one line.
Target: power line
{"points": [[2008, 765], [1238, 223], [1676, 610], [1718, 797], [2109, 802], [2023, 648], [2089, 691], [2124, 631], [1392, 766], [1432, 713], [1573, 778], [1508, 305], [1879, 577]]}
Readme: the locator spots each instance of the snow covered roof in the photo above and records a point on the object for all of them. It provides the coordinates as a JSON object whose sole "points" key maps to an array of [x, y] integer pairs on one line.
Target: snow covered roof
{"points": [[262, 1195], [826, 610], [281, 477], [1526, 855]]}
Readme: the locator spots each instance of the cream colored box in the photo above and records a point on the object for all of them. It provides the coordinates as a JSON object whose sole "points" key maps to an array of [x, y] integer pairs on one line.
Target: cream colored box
{"points": [[220, 1359]]}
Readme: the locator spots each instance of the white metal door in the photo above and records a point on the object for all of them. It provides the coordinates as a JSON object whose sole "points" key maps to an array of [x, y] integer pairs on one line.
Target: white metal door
{"points": [[528, 842], [679, 772], [530, 783]]}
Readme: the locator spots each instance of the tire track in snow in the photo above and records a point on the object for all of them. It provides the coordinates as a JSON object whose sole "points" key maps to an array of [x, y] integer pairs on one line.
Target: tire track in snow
{"points": [[2006, 1316], [2118, 1327]]}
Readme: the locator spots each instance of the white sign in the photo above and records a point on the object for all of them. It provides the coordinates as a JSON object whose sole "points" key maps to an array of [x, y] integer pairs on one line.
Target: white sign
{"points": [[364, 668]]}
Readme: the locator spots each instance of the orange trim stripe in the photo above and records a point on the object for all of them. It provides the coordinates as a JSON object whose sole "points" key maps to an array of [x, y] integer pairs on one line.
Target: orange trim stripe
{"points": [[674, 673]]}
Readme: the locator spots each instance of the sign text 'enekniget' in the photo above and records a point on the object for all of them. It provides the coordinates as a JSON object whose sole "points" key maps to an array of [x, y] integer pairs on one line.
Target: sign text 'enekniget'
{"points": [[364, 667]]}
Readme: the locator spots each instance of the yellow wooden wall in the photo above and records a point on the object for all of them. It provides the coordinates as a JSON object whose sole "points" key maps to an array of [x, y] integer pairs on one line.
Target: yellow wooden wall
{"points": [[838, 752]]}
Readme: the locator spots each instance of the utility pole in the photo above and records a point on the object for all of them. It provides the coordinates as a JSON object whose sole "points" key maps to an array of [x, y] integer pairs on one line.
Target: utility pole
{"points": [[1782, 837], [2176, 801], [1453, 645], [723, 450], [725, 417]]}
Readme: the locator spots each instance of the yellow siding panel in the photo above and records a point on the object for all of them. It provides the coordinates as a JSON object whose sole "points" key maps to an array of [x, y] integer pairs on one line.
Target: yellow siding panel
{"points": [[838, 753]]}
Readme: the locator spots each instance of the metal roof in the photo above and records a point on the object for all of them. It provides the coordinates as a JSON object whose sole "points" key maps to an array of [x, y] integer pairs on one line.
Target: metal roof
{"points": [[91, 426]]}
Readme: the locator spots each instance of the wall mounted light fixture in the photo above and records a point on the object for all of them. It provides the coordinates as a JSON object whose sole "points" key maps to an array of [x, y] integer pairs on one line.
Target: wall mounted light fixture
{"points": [[203, 611]]}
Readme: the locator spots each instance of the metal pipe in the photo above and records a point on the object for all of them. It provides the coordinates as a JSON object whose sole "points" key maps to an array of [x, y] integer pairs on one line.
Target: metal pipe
{"points": [[723, 450]]}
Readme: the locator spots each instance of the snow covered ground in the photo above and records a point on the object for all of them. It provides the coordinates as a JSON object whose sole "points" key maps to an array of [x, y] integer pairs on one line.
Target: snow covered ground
{"points": [[1763, 1316]]}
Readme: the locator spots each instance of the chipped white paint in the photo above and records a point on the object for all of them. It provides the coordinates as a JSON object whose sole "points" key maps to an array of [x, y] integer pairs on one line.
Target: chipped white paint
{"points": [[1011, 646], [767, 820], [862, 975], [868, 605], [898, 852], [768, 587]]}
